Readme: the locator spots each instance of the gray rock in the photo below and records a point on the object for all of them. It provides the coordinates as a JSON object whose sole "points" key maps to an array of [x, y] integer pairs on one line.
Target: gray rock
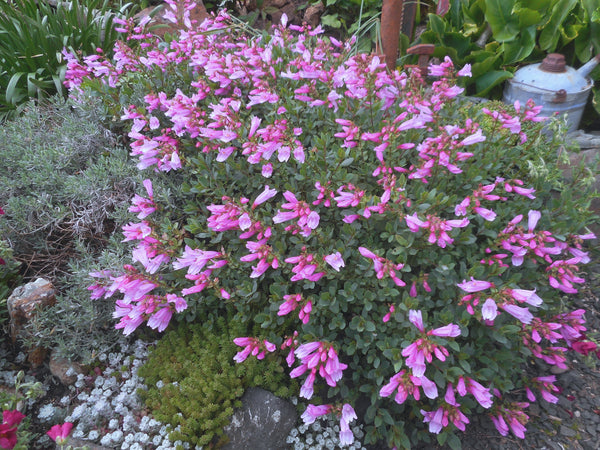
{"points": [[264, 421], [22, 306], [567, 432], [25, 300], [63, 369]]}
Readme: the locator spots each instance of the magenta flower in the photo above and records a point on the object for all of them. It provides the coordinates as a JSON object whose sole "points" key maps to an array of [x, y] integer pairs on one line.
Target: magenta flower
{"points": [[335, 260], [481, 394], [383, 266], [160, 319], [406, 384], [59, 433], [347, 416], [489, 310], [318, 357], [141, 205], [313, 412], [437, 420], [511, 416], [263, 253], [8, 428], [252, 346], [264, 196], [474, 285], [423, 348]]}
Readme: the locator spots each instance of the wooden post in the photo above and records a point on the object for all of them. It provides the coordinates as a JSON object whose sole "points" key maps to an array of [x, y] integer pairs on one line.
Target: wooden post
{"points": [[391, 18]]}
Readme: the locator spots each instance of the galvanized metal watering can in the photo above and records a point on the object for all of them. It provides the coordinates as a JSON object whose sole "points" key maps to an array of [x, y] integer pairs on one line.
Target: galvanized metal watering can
{"points": [[553, 85]]}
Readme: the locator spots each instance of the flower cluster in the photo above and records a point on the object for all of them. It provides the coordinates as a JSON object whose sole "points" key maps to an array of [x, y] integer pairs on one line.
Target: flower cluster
{"points": [[378, 183]]}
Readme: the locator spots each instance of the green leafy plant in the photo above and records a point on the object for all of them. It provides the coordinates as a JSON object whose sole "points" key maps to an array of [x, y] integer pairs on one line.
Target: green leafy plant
{"points": [[32, 37], [194, 384], [386, 235], [495, 36]]}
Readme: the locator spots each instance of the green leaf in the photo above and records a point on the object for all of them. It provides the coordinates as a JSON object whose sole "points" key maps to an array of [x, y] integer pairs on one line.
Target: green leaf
{"points": [[465, 365], [331, 20], [504, 24], [454, 442], [549, 36], [437, 24], [527, 17], [491, 79], [520, 48]]}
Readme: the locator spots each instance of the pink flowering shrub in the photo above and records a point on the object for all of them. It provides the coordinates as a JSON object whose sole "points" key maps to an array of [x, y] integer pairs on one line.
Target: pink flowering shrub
{"points": [[393, 241]]}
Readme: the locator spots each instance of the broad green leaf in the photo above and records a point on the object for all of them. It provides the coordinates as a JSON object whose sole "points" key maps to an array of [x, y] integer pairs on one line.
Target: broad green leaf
{"points": [[13, 94], [491, 79], [483, 62], [541, 6], [583, 45], [499, 14], [331, 20], [520, 48], [570, 32], [437, 25], [550, 34], [527, 17]]}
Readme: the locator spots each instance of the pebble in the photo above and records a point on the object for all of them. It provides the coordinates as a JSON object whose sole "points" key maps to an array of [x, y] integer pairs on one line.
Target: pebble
{"points": [[567, 432]]}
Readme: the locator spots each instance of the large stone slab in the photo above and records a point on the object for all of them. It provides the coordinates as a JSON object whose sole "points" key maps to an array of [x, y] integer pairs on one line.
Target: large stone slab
{"points": [[263, 422]]}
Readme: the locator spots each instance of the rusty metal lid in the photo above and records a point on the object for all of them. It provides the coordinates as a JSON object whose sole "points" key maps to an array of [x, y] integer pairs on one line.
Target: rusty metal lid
{"points": [[554, 62]]}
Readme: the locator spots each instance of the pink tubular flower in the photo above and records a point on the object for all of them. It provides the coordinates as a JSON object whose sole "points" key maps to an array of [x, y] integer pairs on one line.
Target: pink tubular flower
{"points": [[318, 357], [312, 412], [546, 387], [305, 267], [335, 260], [141, 205], [307, 220], [405, 384], [252, 346], [59, 433], [196, 259], [290, 304], [474, 285], [264, 196], [437, 420], [481, 394], [263, 253], [383, 266], [511, 416], [388, 316], [423, 348], [347, 415]]}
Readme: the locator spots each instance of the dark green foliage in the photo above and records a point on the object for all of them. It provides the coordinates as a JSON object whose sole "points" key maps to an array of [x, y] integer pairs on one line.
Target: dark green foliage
{"points": [[202, 383], [32, 36], [495, 37]]}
